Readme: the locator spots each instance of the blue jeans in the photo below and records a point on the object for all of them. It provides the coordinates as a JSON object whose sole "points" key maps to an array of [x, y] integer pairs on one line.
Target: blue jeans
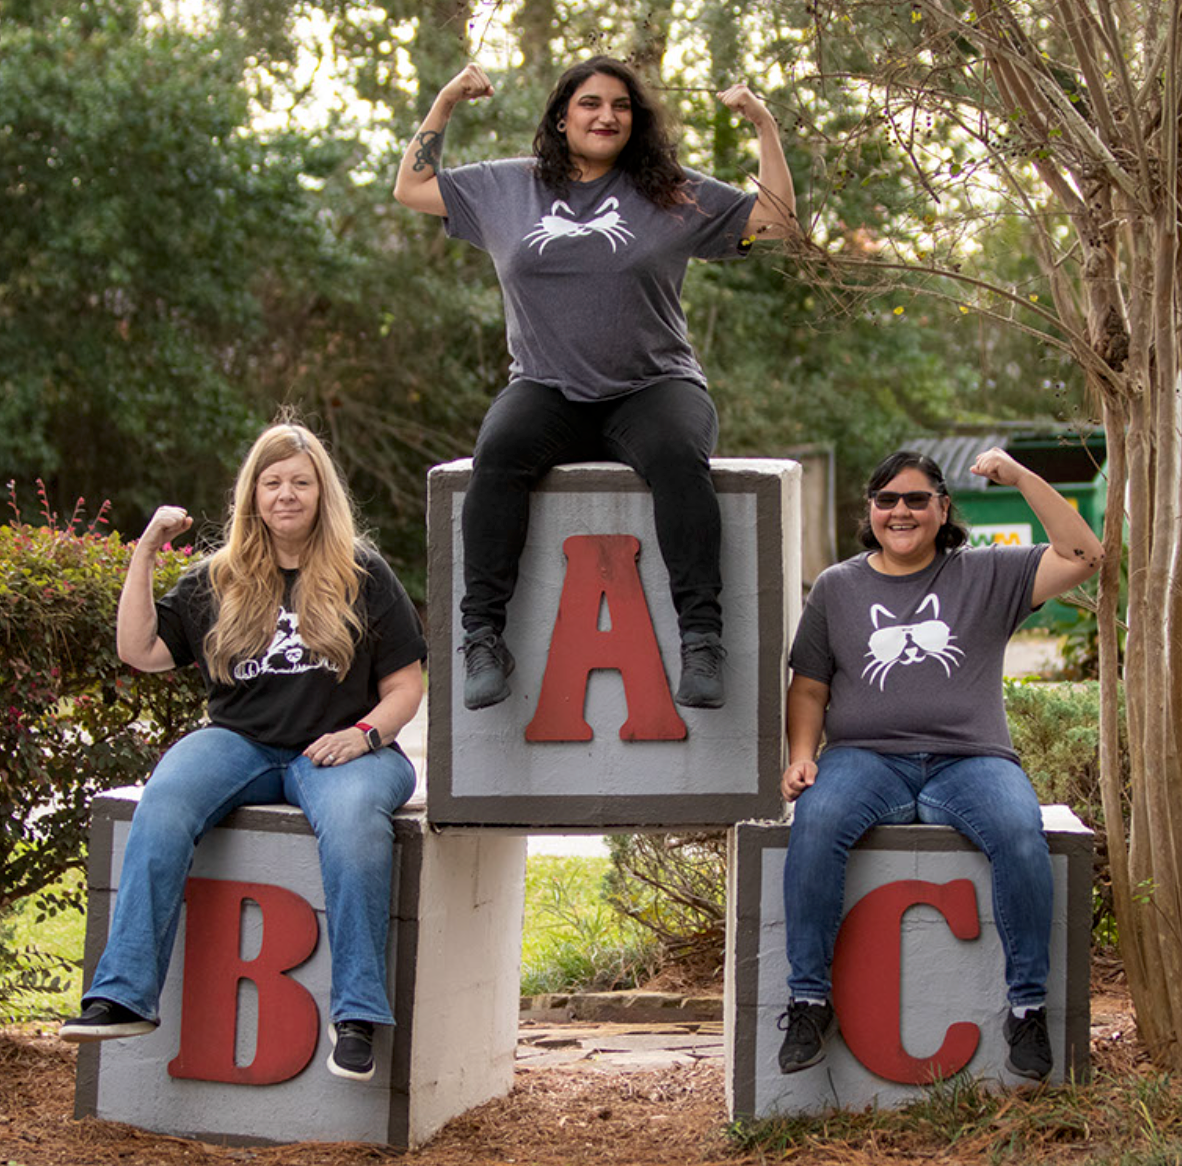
{"points": [[197, 783], [664, 432], [988, 799]]}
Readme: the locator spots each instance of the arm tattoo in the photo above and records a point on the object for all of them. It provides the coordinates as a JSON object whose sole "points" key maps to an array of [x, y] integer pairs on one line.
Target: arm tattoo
{"points": [[430, 150]]}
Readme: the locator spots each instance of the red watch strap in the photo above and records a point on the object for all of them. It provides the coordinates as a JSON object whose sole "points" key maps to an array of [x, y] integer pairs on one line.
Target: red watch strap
{"points": [[363, 726]]}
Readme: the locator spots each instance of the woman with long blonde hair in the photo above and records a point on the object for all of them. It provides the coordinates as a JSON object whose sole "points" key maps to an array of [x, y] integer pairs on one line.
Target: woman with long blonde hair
{"points": [[312, 658]]}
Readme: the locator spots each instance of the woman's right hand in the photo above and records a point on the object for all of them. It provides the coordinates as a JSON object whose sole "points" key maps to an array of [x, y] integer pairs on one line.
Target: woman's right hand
{"points": [[469, 84], [797, 778], [167, 523]]}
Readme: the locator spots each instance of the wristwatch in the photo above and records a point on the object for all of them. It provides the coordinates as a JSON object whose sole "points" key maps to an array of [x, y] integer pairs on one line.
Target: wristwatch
{"points": [[373, 737]]}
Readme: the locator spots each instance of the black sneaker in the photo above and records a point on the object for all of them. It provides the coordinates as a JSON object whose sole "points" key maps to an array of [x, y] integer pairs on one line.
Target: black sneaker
{"points": [[1030, 1044], [702, 655], [105, 1020], [352, 1049], [488, 664], [805, 1027]]}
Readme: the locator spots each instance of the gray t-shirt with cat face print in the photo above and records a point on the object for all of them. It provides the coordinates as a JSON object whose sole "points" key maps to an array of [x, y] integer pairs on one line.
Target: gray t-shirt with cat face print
{"points": [[592, 280], [914, 662]]}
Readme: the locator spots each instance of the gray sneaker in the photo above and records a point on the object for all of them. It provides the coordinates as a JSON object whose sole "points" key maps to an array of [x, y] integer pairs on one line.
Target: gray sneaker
{"points": [[488, 664], [702, 655]]}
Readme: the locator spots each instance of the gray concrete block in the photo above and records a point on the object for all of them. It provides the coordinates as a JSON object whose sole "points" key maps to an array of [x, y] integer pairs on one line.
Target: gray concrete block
{"points": [[454, 966], [484, 770], [944, 980]]}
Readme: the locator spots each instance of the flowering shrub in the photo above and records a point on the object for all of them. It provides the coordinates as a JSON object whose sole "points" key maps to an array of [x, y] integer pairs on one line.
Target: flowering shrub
{"points": [[74, 720]]}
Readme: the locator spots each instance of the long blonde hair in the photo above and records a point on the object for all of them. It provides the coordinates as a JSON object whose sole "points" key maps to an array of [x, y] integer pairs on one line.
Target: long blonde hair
{"points": [[248, 584]]}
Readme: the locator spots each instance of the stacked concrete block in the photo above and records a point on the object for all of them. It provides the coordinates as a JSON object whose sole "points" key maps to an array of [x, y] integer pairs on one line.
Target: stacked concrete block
{"points": [[590, 745], [257, 1073], [918, 980]]}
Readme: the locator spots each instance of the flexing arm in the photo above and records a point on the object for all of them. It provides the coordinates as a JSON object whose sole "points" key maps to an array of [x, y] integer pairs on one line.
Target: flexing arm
{"points": [[135, 627], [417, 184], [774, 213], [1075, 552], [399, 695], [807, 700]]}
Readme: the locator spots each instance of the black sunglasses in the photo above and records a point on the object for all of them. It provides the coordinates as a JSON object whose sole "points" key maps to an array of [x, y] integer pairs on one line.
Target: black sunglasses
{"points": [[913, 499]]}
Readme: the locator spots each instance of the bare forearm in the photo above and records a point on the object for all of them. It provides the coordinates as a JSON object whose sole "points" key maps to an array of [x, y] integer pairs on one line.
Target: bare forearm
{"points": [[774, 215], [401, 693], [806, 721], [135, 625], [424, 156]]}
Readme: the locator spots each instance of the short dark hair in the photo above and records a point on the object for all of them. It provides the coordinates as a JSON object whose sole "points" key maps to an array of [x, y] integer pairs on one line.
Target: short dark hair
{"points": [[650, 155], [951, 535]]}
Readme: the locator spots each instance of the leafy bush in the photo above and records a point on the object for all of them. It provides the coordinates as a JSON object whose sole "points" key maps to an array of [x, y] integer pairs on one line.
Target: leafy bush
{"points": [[74, 720], [675, 886], [1056, 731], [572, 940]]}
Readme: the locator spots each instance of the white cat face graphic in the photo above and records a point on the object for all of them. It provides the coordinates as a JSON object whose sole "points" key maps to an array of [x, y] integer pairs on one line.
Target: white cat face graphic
{"points": [[913, 643], [607, 222]]}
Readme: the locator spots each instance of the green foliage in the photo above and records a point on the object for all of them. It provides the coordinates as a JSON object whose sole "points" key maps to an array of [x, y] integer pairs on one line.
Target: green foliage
{"points": [[1056, 731], [572, 940], [58, 941], [28, 973], [675, 886], [74, 720], [135, 220]]}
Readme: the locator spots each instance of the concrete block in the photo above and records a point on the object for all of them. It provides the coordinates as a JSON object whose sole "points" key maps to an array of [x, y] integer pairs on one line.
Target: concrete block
{"points": [[454, 966], [713, 767], [943, 980]]}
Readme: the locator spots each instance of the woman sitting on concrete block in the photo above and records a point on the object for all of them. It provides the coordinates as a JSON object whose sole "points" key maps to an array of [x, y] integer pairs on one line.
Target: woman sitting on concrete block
{"points": [[897, 661], [591, 238], [312, 657]]}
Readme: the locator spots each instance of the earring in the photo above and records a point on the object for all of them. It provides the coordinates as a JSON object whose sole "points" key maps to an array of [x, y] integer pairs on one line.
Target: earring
{"points": [[561, 126]]}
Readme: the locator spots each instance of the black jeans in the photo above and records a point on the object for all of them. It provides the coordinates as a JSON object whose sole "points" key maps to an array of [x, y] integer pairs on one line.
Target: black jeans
{"points": [[665, 433]]}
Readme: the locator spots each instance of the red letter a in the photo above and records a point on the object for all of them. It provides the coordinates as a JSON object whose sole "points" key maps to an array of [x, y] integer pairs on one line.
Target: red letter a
{"points": [[288, 1020], [602, 567], [867, 977]]}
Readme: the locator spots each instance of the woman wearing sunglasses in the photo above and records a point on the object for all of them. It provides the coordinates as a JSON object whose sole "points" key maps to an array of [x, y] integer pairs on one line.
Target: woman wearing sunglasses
{"points": [[897, 662]]}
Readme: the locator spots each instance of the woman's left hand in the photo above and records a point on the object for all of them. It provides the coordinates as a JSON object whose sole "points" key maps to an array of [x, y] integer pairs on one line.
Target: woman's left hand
{"points": [[739, 99], [337, 748]]}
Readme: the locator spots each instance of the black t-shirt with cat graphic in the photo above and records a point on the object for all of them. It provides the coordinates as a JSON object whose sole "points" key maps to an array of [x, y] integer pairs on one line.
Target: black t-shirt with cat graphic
{"points": [[914, 662], [285, 697]]}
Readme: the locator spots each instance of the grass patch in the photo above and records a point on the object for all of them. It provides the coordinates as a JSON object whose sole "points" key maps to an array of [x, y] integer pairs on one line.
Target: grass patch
{"points": [[572, 939], [1130, 1120], [61, 936]]}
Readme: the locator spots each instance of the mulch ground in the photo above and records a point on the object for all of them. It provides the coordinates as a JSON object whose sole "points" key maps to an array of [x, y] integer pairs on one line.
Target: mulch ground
{"points": [[553, 1117]]}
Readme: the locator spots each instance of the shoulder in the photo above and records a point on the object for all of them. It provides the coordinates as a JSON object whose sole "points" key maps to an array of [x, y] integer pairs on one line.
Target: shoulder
{"points": [[370, 562], [995, 557], [846, 572], [710, 191], [194, 584], [502, 171]]}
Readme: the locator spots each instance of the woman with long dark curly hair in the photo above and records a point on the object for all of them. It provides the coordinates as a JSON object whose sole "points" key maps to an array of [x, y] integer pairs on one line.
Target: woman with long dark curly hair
{"points": [[591, 238]]}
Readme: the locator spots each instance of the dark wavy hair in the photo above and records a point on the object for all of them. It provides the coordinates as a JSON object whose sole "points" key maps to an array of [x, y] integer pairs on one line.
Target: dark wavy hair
{"points": [[951, 535], [650, 156]]}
